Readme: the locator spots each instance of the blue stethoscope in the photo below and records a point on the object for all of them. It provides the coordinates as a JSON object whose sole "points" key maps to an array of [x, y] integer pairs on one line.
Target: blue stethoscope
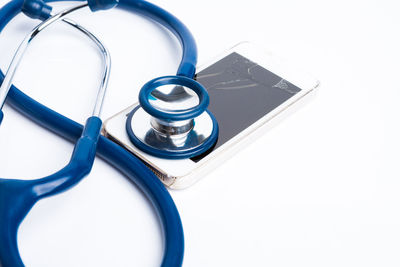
{"points": [[17, 197]]}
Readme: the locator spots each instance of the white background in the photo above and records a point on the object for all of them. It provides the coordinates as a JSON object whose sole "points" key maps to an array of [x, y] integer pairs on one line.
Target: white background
{"points": [[320, 189]]}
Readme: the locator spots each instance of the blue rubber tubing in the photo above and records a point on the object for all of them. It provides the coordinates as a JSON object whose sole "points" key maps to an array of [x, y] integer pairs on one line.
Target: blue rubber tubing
{"points": [[115, 155]]}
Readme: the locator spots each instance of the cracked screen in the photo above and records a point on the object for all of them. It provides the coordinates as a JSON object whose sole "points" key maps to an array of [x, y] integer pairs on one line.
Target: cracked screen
{"points": [[241, 92]]}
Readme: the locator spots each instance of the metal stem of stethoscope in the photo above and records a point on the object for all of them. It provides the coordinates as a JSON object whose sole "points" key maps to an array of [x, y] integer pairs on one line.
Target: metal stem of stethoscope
{"points": [[6, 85], [107, 65]]}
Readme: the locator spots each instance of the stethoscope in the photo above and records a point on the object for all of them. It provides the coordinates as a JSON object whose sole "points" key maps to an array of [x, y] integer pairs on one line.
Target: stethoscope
{"points": [[163, 132]]}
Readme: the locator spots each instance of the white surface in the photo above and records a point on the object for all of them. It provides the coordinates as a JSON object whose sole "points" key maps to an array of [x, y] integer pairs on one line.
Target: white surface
{"points": [[330, 200]]}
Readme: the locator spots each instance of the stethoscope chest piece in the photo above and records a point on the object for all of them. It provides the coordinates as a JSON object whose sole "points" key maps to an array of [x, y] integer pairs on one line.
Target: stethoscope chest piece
{"points": [[172, 120]]}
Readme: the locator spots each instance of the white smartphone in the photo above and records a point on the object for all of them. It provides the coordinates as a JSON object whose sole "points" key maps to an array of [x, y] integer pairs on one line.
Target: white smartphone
{"points": [[247, 89]]}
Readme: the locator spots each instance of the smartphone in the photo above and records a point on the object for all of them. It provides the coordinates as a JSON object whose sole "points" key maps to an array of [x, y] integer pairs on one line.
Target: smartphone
{"points": [[247, 90]]}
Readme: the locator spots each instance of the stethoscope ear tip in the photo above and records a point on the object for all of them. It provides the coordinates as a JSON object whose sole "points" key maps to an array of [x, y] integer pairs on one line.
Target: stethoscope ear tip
{"points": [[36, 9], [96, 5]]}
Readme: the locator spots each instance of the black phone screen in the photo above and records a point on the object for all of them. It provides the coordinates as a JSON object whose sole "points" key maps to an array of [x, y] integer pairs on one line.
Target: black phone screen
{"points": [[241, 92]]}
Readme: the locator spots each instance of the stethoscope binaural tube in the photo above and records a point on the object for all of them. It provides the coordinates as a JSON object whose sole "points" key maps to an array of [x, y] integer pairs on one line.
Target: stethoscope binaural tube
{"points": [[17, 197], [121, 159]]}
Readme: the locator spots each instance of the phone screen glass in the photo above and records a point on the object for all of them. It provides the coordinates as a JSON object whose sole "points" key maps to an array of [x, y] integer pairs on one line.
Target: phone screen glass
{"points": [[241, 92]]}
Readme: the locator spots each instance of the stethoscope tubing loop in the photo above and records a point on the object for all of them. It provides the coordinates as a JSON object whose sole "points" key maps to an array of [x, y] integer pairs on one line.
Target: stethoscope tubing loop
{"points": [[132, 167]]}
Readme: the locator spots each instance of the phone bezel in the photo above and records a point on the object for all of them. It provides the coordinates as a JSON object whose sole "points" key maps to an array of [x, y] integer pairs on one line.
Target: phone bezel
{"points": [[184, 172]]}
